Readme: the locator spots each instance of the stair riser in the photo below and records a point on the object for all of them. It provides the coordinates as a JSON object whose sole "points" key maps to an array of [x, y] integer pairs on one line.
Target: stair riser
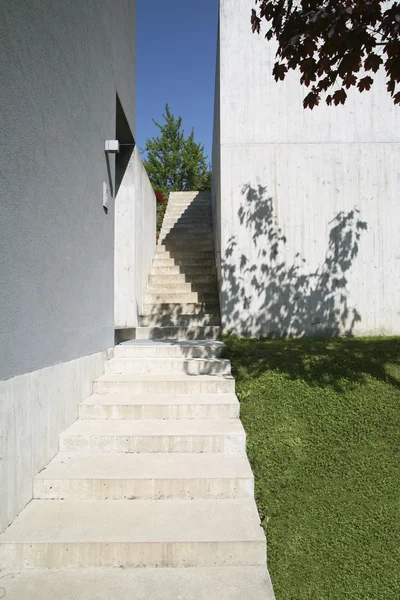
{"points": [[189, 217], [173, 351], [229, 444], [180, 225], [189, 204], [191, 321], [26, 555], [190, 265], [183, 223], [171, 310], [143, 489], [223, 386], [185, 256], [178, 333], [186, 224], [183, 251], [158, 366], [184, 298], [200, 243], [166, 412], [168, 233], [173, 235], [161, 277], [180, 287], [198, 207]]}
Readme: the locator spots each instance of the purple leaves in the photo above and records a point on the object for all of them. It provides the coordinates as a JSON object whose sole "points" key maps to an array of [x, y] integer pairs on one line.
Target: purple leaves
{"points": [[333, 44]]}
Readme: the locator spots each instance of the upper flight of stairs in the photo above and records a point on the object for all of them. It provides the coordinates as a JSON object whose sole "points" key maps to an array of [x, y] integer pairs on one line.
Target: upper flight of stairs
{"points": [[182, 295], [153, 476]]}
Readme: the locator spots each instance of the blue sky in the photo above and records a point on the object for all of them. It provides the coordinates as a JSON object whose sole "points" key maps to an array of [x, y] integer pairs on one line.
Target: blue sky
{"points": [[176, 54]]}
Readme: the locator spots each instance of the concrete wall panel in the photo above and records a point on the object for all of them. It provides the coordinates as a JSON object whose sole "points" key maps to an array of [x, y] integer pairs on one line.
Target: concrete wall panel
{"points": [[135, 242], [309, 205], [34, 409], [311, 255]]}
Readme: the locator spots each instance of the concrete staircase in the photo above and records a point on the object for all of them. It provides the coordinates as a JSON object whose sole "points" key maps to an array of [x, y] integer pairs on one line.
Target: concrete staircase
{"points": [[154, 473]]}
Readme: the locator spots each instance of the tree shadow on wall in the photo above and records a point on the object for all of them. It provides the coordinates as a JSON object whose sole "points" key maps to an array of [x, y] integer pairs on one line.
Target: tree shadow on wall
{"points": [[289, 300]]}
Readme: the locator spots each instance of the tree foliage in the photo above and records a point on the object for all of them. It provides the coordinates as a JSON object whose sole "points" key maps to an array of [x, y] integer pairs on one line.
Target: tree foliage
{"points": [[174, 162], [336, 44]]}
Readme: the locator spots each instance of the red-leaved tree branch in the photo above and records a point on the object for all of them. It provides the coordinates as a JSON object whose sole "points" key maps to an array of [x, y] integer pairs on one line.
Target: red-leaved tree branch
{"points": [[335, 44]]}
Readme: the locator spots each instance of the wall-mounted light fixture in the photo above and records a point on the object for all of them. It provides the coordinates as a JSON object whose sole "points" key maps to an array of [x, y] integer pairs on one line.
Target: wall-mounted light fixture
{"points": [[112, 146]]}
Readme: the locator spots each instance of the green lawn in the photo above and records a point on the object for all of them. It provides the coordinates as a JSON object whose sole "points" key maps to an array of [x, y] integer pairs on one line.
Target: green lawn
{"points": [[323, 434]]}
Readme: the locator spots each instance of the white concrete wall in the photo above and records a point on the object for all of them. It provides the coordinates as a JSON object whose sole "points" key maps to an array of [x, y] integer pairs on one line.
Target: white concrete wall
{"points": [[216, 172], [135, 242], [34, 409], [296, 257]]}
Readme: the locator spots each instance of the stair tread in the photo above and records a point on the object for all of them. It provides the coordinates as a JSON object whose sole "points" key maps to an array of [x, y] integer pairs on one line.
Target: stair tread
{"points": [[201, 583], [162, 377], [156, 521], [154, 360], [173, 343], [146, 466]]}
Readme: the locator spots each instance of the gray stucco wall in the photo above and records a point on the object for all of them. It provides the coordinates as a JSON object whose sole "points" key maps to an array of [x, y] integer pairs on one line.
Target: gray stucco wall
{"points": [[309, 199], [62, 65]]}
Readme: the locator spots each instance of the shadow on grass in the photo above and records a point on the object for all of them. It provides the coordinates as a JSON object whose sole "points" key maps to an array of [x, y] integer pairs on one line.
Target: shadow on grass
{"points": [[318, 362]]}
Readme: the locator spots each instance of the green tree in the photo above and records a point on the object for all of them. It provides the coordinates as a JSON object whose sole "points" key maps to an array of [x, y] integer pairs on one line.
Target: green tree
{"points": [[174, 162]]}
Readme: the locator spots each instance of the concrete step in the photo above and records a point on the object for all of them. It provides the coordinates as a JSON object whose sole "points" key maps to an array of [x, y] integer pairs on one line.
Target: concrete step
{"points": [[170, 349], [163, 384], [186, 274], [190, 366], [186, 264], [193, 208], [189, 203], [209, 298], [188, 215], [183, 253], [184, 224], [174, 435], [177, 309], [198, 202], [177, 333], [145, 477], [189, 224], [190, 583], [180, 287], [168, 231], [144, 533], [204, 242], [178, 406], [175, 276], [185, 236], [182, 321]]}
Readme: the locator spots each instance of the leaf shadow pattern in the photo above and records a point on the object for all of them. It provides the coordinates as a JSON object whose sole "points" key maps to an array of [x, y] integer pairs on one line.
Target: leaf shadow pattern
{"points": [[273, 298]]}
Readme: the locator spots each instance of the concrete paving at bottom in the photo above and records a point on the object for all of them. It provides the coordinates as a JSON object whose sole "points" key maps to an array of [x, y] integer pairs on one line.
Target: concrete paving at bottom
{"points": [[240, 583]]}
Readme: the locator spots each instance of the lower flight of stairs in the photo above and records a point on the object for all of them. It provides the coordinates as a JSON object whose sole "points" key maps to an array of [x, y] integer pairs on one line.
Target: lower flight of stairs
{"points": [[153, 477]]}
